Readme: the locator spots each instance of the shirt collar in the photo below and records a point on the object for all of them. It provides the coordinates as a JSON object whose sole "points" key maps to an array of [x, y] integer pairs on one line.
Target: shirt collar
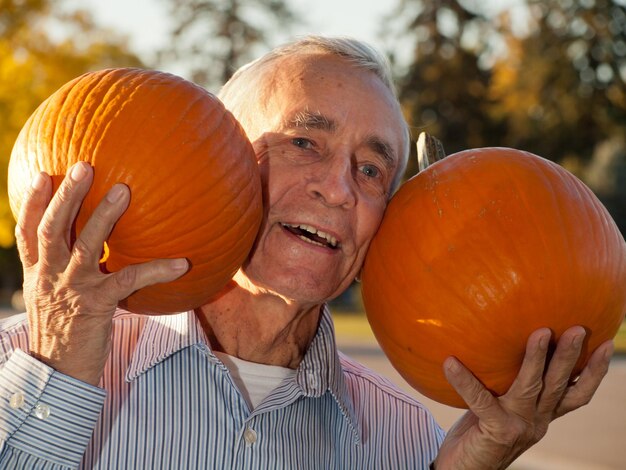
{"points": [[319, 372], [162, 336]]}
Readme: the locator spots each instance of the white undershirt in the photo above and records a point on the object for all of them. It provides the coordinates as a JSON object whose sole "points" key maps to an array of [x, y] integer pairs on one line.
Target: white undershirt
{"points": [[255, 381]]}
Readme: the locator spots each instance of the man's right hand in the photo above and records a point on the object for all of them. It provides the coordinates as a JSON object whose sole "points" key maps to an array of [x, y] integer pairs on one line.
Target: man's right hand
{"points": [[69, 301]]}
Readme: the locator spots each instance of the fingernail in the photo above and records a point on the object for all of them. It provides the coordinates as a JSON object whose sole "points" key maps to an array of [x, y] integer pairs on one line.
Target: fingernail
{"points": [[38, 182], [115, 193], [609, 351], [180, 264], [578, 340], [452, 365], [79, 171]]}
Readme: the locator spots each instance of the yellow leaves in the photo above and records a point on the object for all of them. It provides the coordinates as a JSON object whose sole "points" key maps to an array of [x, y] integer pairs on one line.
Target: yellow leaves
{"points": [[33, 65]]}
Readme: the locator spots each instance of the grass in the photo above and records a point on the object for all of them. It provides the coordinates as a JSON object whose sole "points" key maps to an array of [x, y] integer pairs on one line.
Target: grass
{"points": [[620, 339], [352, 325]]}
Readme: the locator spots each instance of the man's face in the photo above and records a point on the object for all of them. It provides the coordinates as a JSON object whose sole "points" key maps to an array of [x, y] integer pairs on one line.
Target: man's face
{"points": [[328, 140]]}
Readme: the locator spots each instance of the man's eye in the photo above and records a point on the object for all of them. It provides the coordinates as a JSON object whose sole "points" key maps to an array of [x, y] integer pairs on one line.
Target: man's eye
{"points": [[302, 143], [370, 171]]}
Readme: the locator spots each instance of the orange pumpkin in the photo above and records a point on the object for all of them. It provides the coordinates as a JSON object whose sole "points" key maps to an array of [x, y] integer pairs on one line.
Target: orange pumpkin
{"points": [[194, 181], [481, 249]]}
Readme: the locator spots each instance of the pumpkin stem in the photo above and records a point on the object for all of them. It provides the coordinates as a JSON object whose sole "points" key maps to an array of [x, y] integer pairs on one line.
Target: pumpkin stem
{"points": [[429, 150]]}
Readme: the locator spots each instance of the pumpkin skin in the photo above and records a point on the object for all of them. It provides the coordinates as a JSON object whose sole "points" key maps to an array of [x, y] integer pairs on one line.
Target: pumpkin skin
{"points": [[193, 176], [478, 251]]}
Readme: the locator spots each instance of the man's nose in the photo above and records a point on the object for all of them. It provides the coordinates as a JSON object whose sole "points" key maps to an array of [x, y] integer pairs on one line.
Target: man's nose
{"points": [[334, 184]]}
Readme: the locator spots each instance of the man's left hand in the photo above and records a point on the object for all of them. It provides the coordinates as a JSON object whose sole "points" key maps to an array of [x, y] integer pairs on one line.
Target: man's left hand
{"points": [[496, 430]]}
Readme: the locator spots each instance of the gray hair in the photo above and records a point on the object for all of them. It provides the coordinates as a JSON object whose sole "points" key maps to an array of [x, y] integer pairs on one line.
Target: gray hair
{"points": [[236, 93]]}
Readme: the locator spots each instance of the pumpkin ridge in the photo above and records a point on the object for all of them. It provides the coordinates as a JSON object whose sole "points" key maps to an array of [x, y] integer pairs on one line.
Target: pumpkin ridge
{"points": [[23, 166], [84, 86], [41, 126], [576, 220], [128, 138], [93, 111], [610, 234], [250, 207], [199, 98], [582, 223], [485, 269], [437, 277], [235, 194], [558, 205], [477, 188], [386, 268], [492, 290], [530, 210], [105, 112], [60, 101], [380, 251], [111, 111], [433, 221], [387, 336], [240, 219], [216, 148], [608, 222], [41, 122], [217, 145], [243, 186]]}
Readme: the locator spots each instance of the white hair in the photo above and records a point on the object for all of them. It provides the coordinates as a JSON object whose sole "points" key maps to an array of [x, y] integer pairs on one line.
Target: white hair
{"points": [[242, 89]]}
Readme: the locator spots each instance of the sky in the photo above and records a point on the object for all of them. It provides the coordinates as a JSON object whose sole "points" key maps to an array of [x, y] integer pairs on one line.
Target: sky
{"points": [[145, 21]]}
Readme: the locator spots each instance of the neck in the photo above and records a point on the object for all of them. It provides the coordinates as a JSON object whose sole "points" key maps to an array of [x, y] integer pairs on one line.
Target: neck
{"points": [[259, 326]]}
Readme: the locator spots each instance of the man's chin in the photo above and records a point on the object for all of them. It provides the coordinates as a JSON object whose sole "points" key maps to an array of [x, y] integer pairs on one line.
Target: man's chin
{"points": [[301, 290]]}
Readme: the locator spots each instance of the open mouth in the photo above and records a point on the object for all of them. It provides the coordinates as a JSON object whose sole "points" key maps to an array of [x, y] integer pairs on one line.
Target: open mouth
{"points": [[312, 235]]}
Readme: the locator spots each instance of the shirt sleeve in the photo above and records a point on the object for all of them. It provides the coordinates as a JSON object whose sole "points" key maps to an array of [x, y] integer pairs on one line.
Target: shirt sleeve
{"points": [[46, 417]]}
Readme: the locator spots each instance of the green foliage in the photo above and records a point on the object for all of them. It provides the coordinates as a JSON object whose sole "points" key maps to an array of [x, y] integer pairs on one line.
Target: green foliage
{"points": [[620, 340]]}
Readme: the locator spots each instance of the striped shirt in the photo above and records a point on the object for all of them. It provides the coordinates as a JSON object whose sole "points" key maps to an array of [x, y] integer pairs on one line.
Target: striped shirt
{"points": [[167, 402]]}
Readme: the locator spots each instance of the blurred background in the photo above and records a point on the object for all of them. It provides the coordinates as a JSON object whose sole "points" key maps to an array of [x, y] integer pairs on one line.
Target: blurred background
{"points": [[544, 76]]}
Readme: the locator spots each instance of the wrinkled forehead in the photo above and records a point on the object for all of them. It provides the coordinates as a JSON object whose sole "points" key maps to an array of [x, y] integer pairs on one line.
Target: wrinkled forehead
{"points": [[299, 73], [302, 82]]}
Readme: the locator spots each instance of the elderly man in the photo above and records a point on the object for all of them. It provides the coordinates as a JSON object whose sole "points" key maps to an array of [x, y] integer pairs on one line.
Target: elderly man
{"points": [[253, 378]]}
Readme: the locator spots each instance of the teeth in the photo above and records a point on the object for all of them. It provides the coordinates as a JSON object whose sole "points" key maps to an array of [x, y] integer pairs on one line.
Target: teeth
{"points": [[313, 242], [332, 241]]}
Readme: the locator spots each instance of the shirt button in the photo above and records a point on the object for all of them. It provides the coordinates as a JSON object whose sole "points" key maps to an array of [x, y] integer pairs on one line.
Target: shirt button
{"points": [[17, 400], [42, 411], [249, 435]]}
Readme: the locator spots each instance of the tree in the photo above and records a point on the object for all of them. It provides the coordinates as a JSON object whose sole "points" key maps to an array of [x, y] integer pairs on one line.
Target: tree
{"points": [[548, 77], [561, 89], [555, 86], [444, 90], [213, 38], [606, 175], [34, 61]]}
